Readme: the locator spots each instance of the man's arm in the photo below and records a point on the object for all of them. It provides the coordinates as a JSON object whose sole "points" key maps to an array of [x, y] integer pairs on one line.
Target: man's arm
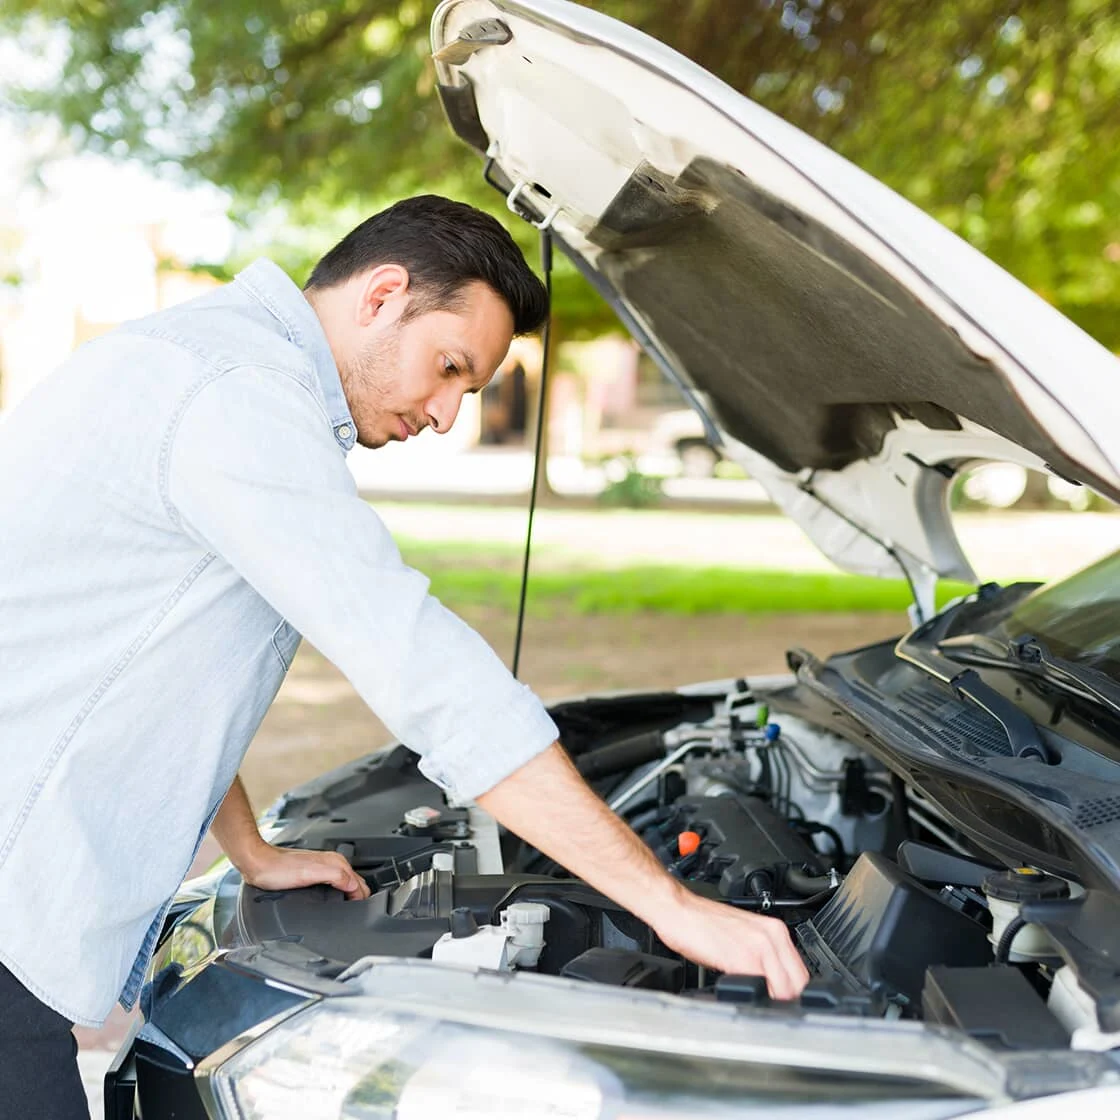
{"points": [[293, 527], [547, 803], [271, 868]]}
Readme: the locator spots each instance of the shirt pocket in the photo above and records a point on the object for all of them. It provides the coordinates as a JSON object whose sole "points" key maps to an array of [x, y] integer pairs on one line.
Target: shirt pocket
{"points": [[285, 641]]}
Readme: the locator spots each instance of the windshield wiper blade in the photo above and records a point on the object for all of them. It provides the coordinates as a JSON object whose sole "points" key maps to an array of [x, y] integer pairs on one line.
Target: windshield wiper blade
{"points": [[1030, 657], [1019, 728]]}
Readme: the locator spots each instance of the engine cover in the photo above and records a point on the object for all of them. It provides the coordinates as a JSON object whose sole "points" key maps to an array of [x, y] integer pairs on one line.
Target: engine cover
{"points": [[740, 836]]}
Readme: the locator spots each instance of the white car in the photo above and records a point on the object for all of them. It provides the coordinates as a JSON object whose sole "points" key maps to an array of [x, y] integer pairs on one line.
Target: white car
{"points": [[937, 817], [681, 433]]}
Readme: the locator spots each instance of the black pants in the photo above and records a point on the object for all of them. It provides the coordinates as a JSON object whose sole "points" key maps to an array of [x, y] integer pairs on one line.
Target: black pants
{"points": [[39, 1077]]}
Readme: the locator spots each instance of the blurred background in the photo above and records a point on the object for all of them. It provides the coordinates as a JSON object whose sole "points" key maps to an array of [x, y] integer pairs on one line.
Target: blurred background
{"points": [[150, 150], [153, 149]]}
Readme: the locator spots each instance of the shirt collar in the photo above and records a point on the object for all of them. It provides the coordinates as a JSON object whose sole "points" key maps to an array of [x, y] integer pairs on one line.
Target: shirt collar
{"points": [[272, 286]]}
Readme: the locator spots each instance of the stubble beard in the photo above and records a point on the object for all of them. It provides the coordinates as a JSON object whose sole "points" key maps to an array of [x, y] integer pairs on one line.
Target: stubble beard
{"points": [[367, 380]]}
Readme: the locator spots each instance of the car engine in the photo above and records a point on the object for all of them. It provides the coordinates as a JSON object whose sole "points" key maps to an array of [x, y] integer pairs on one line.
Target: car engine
{"points": [[742, 798]]}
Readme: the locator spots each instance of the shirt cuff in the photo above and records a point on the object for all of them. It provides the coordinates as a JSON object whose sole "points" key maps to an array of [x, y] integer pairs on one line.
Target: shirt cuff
{"points": [[493, 747]]}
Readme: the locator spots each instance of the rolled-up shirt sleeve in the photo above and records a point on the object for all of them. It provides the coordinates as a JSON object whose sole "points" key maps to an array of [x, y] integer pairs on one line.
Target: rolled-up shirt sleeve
{"points": [[255, 475]]}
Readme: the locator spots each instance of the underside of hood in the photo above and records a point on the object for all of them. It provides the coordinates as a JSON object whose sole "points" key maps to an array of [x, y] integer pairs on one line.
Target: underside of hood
{"points": [[850, 351]]}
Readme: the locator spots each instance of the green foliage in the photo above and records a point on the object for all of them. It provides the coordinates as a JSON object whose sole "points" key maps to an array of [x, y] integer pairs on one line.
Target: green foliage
{"points": [[996, 116], [631, 488]]}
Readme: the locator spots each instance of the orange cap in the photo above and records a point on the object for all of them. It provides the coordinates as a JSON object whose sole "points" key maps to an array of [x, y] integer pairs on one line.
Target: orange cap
{"points": [[688, 842]]}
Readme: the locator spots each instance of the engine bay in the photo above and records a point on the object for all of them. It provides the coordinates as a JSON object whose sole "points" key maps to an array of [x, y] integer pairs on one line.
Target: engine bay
{"points": [[742, 799]]}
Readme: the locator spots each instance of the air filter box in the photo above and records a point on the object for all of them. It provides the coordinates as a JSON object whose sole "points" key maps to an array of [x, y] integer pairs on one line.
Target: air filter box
{"points": [[883, 929]]}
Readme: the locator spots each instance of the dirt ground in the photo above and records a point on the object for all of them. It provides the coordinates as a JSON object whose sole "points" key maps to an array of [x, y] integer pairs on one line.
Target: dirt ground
{"points": [[318, 722]]}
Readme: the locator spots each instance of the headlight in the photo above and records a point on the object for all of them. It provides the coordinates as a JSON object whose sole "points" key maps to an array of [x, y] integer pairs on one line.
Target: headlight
{"points": [[342, 1060], [515, 1050], [335, 1060]]}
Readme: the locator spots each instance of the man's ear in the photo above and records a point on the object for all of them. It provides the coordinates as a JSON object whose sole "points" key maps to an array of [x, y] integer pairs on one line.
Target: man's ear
{"points": [[383, 294]]}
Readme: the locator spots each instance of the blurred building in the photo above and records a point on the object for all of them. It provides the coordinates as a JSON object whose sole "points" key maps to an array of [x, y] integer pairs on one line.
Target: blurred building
{"points": [[97, 245]]}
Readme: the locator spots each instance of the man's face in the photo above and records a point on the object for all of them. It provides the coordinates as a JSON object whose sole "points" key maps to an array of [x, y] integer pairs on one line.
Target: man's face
{"points": [[410, 373]]}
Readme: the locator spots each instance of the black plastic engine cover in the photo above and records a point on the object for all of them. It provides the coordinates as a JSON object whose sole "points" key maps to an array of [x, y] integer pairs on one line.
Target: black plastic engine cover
{"points": [[996, 1005], [626, 968], [741, 836], [882, 929]]}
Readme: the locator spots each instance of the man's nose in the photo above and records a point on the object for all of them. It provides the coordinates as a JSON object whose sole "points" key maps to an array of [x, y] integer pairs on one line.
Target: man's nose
{"points": [[443, 408]]}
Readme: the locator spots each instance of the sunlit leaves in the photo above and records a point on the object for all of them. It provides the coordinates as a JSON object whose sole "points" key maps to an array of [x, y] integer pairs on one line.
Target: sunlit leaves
{"points": [[997, 116]]}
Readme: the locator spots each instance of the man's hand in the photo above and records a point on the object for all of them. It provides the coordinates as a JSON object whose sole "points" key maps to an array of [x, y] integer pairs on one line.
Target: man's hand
{"points": [[280, 869], [277, 869], [716, 935], [547, 803]]}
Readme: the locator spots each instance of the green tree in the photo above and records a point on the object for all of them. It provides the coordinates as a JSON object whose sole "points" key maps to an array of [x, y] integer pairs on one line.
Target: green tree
{"points": [[996, 116]]}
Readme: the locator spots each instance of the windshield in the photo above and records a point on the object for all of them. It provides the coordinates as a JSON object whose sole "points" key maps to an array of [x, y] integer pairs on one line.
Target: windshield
{"points": [[1077, 619]]}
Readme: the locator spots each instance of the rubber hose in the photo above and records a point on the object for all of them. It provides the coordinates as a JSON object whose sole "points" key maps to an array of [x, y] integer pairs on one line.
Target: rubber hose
{"points": [[901, 816], [645, 818], [1003, 949], [621, 757], [782, 903], [760, 883], [804, 884], [811, 828]]}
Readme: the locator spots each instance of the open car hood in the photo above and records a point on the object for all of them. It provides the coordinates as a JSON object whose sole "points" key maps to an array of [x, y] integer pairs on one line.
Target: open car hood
{"points": [[843, 346]]}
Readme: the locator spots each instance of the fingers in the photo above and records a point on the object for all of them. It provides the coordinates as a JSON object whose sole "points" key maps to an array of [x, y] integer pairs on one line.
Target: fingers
{"points": [[796, 971], [777, 982], [784, 970], [715, 935], [359, 891], [786, 974], [289, 868], [339, 874]]}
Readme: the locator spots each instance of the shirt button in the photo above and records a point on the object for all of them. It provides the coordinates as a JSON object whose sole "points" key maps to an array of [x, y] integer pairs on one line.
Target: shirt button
{"points": [[344, 431]]}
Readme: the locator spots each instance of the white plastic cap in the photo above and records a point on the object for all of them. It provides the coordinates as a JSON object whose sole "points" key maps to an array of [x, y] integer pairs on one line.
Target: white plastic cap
{"points": [[526, 914], [423, 816]]}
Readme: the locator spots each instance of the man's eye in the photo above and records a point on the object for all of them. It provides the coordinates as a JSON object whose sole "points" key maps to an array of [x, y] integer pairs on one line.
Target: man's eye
{"points": [[449, 367]]}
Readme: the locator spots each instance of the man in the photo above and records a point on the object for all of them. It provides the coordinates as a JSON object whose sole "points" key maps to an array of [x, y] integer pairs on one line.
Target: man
{"points": [[175, 512]]}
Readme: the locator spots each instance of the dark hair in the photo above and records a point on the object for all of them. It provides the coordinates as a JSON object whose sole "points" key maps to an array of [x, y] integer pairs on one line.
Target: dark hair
{"points": [[443, 245]]}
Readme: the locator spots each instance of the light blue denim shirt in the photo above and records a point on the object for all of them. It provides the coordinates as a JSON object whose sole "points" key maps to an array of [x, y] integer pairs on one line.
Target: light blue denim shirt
{"points": [[175, 511]]}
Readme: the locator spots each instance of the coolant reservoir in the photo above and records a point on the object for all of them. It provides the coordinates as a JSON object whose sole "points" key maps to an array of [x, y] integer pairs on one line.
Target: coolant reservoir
{"points": [[1075, 1009], [1007, 891], [515, 943]]}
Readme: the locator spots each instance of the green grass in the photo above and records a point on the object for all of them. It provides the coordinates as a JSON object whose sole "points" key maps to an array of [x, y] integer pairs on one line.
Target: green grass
{"points": [[469, 575]]}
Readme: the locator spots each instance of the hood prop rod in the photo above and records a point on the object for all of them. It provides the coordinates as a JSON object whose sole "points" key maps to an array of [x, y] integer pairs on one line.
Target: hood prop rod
{"points": [[546, 268]]}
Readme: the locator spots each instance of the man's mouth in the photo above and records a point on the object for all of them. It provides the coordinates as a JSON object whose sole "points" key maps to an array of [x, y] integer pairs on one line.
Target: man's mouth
{"points": [[405, 430]]}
